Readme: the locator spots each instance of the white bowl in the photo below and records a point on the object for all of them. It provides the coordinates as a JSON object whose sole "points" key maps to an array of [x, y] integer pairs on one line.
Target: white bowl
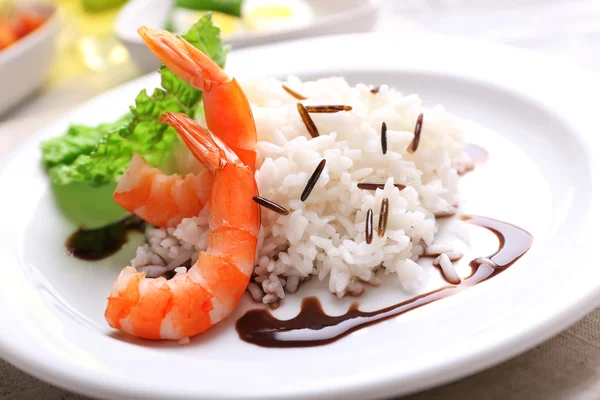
{"points": [[25, 65], [332, 16]]}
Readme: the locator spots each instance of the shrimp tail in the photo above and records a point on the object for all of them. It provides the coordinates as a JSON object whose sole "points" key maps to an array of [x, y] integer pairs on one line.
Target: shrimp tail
{"points": [[207, 148], [188, 63]]}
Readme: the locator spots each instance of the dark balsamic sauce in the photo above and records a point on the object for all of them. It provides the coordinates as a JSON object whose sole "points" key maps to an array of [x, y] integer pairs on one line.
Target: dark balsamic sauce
{"points": [[312, 327], [96, 244]]}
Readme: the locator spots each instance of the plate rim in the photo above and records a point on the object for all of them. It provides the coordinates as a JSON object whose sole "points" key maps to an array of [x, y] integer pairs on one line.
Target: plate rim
{"points": [[518, 343]]}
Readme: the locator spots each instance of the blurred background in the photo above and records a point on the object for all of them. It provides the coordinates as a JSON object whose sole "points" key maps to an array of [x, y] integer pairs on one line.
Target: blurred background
{"points": [[94, 45]]}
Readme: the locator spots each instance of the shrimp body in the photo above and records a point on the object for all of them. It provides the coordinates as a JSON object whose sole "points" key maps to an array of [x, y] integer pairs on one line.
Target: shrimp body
{"points": [[192, 302], [160, 199], [164, 201]]}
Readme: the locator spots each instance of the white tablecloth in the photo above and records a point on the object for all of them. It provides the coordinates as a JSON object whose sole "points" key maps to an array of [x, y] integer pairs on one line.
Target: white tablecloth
{"points": [[565, 367]]}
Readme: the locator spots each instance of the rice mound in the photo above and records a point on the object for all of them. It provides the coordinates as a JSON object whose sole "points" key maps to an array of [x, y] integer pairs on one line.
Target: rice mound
{"points": [[324, 236]]}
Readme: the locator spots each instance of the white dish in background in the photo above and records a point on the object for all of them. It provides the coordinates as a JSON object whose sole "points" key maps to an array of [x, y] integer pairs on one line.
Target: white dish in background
{"points": [[25, 64], [543, 175], [331, 17]]}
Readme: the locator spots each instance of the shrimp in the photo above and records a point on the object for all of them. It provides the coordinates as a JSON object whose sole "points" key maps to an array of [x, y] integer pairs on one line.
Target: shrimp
{"points": [[227, 111], [160, 199], [193, 301], [164, 200]]}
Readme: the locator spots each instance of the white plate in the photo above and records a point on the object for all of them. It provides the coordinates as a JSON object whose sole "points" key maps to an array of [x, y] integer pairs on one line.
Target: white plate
{"points": [[331, 16], [542, 175]]}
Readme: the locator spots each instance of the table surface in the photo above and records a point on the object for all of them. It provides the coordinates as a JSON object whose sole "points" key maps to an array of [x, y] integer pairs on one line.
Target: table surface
{"points": [[566, 366]]}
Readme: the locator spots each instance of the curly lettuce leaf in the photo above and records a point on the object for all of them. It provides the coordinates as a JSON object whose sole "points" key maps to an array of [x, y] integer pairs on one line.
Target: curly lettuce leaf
{"points": [[79, 139], [99, 155]]}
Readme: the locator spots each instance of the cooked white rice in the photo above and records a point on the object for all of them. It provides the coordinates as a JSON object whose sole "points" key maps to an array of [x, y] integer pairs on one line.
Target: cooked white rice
{"points": [[324, 236]]}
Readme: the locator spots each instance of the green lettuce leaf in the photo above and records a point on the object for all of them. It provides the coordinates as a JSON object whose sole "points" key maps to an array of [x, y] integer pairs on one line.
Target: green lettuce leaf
{"points": [[79, 139], [99, 155]]}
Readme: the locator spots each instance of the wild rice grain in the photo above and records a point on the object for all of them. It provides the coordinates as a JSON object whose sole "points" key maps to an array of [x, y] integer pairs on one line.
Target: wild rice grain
{"points": [[414, 144], [312, 181], [383, 217], [384, 138], [375, 186], [293, 93], [270, 205], [375, 90], [308, 122], [369, 226], [327, 109]]}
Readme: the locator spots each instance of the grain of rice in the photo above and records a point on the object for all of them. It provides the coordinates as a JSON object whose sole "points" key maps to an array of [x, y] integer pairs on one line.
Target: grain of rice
{"points": [[446, 214], [414, 144], [270, 298], [312, 181], [355, 289], [184, 341], [256, 293], [383, 217], [437, 249], [369, 226], [293, 93], [455, 255], [168, 242], [263, 262], [308, 122], [179, 259], [374, 281], [159, 233], [270, 205], [327, 109], [486, 261], [152, 271], [383, 138], [292, 284], [448, 269], [375, 186]]}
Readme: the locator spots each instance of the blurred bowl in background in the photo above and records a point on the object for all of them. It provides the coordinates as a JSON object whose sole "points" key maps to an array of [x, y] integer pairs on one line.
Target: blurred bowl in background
{"points": [[25, 65], [331, 17]]}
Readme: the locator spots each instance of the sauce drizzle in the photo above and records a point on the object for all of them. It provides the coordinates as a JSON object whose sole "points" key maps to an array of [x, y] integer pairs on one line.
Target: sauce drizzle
{"points": [[312, 327], [99, 243]]}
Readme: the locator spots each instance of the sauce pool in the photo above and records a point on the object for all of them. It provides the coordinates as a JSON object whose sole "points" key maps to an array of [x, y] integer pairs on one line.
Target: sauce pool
{"points": [[313, 327], [96, 244]]}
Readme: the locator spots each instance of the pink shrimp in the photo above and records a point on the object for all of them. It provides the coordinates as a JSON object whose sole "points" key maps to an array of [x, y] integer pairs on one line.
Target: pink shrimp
{"points": [[160, 199], [192, 302], [165, 200]]}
